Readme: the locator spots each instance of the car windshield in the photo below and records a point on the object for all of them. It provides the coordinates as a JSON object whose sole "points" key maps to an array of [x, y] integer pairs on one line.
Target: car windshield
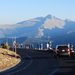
{"points": [[62, 47]]}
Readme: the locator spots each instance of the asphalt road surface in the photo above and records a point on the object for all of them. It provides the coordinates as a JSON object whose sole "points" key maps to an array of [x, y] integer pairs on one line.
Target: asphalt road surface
{"points": [[35, 62]]}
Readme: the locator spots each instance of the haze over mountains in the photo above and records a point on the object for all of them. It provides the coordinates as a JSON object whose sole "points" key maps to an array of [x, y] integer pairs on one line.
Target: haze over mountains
{"points": [[41, 28]]}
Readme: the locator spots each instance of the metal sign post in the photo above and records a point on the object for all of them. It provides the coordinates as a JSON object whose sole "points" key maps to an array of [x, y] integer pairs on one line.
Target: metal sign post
{"points": [[15, 48], [12, 45]]}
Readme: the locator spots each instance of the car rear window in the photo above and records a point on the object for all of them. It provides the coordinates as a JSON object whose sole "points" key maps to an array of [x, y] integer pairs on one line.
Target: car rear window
{"points": [[62, 47]]}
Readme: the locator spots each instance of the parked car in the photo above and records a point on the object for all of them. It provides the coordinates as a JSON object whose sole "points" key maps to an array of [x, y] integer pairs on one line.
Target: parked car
{"points": [[61, 50]]}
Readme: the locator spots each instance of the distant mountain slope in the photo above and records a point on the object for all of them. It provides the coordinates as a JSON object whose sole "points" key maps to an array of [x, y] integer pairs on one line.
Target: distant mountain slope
{"points": [[69, 38], [40, 27], [23, 40], [64, 39], [32, 40]]}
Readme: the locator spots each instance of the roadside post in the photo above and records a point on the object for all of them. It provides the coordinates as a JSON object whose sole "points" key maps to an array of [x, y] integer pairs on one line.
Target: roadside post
{"points": [[12, 45], [15, 48]]}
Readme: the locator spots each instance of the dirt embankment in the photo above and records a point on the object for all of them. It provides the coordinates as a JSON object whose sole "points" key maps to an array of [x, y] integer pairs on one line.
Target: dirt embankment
{"points": [[8, 58]]}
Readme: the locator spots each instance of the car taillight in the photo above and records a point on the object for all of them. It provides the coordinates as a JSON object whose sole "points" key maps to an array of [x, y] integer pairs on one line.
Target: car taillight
{"points": [[57, 53], [58, 49], [68, 49]]}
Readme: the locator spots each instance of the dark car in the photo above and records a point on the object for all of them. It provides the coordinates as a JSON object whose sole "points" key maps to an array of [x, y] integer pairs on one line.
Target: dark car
{"points": [[61, 50]]}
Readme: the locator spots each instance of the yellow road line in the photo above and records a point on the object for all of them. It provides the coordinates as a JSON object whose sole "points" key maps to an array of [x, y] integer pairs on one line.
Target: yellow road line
{"points": [[31, 51]]}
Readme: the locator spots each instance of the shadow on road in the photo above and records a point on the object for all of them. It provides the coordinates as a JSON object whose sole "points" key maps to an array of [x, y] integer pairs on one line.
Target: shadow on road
{"points": [[67, 65]]}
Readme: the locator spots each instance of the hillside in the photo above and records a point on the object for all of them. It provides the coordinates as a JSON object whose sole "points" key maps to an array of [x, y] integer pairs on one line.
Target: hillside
{"points": [[7, 59], [40, 28]]}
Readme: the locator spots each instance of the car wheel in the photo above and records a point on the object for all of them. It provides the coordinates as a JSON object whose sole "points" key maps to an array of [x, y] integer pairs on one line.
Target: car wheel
{"points": [[56, 56]]}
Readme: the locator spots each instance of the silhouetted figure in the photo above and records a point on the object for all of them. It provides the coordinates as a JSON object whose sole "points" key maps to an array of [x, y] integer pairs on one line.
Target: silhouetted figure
{"points": [[21, 45], [47, 46], [50, 44], [28, 46], [38, 45], [25, 45], [32, 46], [68, 45], [71, 47], [41, 46]]}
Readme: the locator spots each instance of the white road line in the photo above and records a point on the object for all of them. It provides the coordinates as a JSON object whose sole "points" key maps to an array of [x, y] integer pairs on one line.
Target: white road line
{"points": [[30, 64], [15, 66], [22, 68], [54, 66], [12, 68]]}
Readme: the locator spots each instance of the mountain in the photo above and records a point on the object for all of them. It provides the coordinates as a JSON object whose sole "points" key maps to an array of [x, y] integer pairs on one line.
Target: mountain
{"points": [[44, 28]]}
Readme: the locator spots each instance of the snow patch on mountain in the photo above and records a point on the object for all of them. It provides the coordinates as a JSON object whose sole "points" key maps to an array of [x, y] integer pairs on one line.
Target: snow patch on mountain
{"points": [[9, 26], [28, 23], [34, 20], [40, 33], [23, 34], [51, 23], [1, 32], [70, 32]]}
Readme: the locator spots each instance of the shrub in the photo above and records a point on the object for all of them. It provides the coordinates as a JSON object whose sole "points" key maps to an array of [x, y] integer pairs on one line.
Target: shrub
{"points": [[6, 46]]}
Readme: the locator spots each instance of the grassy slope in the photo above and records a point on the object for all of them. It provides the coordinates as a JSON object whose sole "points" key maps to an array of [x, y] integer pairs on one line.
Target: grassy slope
{"points": [[7, 58]]}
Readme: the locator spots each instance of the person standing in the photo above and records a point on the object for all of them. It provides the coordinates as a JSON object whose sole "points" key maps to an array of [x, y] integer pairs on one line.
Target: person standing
{"points": [[25, 46], [29, 46], [50, 44], [47, 45], [32, 46], [21, 45], [38, 46], [68, 45], [41, 46], [71, 47]]}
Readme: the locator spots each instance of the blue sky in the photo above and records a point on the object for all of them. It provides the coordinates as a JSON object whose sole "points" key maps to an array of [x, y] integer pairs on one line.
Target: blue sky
{"points": [[14, 11]]}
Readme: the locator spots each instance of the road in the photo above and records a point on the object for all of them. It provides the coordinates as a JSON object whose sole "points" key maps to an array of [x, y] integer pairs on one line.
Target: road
{"points": [[35, 62], [67, 65]]}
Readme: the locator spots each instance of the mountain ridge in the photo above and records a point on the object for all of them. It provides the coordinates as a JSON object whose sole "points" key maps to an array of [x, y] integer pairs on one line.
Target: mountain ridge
{"points": [[40, 28]]}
